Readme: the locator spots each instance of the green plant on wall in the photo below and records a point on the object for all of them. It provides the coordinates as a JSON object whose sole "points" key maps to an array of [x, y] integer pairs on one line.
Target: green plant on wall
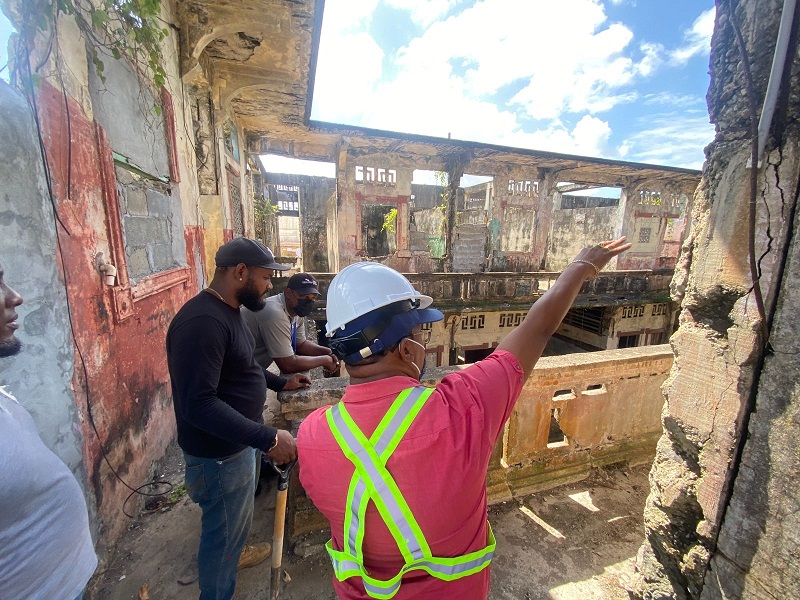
{"points": [[390, 221], [132, 29], [264, 211]]}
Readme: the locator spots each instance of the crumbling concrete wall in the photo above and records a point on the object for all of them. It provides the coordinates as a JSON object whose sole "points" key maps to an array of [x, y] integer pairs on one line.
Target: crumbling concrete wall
{"points": [[574, 228], [700, 541], [365, 180], [119, 401], [41, 375], [520, 221], [314, 193]]}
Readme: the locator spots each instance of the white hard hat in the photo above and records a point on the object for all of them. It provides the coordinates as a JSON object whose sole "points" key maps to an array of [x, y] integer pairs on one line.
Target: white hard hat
{"points": [[363, 287]]}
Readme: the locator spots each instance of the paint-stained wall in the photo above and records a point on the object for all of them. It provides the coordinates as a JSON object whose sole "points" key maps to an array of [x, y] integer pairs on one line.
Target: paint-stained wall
{"points": [[41, 375], [110, 402]]}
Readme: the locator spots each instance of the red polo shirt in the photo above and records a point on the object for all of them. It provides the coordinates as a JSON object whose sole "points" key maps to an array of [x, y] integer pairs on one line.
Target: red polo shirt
{"points": [[440, 467]]}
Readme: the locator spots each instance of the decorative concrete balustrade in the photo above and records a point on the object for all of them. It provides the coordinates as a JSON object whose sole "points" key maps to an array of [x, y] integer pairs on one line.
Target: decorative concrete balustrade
{"points": [[575, 412], [469, 289]]}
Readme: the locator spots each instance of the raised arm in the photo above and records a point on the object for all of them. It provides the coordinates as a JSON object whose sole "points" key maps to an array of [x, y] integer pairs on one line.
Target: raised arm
{"points": [[528, 340]]}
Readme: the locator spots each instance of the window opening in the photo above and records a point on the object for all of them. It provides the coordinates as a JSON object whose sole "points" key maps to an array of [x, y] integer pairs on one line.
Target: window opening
{"points": [[378, 240], [587, 319], [473, 356], [555, 437], [595, 389]]}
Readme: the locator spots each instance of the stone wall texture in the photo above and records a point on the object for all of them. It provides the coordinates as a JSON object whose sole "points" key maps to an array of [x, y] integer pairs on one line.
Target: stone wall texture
{"points": [[721, 519]]}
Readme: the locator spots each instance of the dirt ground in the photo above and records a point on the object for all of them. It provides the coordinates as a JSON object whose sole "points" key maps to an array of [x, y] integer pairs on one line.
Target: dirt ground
{"points": [[577, 541]]}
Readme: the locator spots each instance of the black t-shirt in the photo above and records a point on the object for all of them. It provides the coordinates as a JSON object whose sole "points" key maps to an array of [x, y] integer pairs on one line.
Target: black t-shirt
{"points": [[218, 389]]}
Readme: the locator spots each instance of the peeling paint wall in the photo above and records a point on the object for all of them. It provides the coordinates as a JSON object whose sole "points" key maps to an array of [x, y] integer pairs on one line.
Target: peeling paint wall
{"points": [[143, 214], [365, 181], [574, 227], [41, 375], [653, 219]]}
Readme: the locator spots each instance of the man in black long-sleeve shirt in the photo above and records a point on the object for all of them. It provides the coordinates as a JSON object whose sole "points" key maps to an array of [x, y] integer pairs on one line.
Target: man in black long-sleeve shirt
{"points": [[218, 392]]}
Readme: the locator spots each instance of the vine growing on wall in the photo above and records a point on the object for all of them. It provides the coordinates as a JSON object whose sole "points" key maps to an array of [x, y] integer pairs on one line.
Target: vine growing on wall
{"points": [[390, 221], [132, 29], [264, 212]]}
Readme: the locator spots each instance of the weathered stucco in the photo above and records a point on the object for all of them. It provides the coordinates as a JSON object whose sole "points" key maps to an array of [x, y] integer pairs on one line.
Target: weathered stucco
{"points": [[700, 542], [41, 375], [314, 193], [109, 402], [574, 226]]}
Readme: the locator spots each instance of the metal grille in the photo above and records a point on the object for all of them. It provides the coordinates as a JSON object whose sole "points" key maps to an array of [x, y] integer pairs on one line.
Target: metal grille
{"points": [[236, 206], [588, 319]]}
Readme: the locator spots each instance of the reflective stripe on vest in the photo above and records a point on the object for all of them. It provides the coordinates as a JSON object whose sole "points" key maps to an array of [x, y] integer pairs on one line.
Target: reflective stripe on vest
{"points": [[371, 481]]}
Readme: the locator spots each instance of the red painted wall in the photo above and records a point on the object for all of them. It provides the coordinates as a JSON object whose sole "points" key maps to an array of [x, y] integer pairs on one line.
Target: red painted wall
{"points": [[120, 367]]}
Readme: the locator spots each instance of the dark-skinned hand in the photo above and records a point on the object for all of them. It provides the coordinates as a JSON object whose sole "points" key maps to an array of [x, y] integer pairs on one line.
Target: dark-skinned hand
{"points": [[297, 381], [286, 449]]}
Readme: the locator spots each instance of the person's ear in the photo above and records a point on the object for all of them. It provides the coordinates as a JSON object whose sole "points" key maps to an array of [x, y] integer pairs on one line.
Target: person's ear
{"points": [[240, 271], [406, 350]]}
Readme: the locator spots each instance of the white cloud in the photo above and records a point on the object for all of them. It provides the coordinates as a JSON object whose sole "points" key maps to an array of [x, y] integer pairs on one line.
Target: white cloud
{"points": [[697, 39], [670, 139], [652, 58], [339, 17], [558, 62], [674, 100], [424, 12], [589, 137], [344, 85], [564, 55]]}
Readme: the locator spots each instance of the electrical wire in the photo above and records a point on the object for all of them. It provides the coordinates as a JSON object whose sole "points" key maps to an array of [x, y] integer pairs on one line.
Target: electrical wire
{"points": [[48, 177]]}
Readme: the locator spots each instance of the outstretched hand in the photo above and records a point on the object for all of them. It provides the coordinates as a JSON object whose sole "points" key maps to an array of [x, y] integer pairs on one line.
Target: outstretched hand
{"points": [[600, 254]]}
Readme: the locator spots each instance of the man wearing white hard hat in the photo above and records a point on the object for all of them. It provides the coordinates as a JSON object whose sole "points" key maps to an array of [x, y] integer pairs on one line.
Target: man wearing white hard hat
{"points": [[399, 469]]}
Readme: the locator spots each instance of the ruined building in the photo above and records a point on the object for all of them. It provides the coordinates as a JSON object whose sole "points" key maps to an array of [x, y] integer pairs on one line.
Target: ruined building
{"points": [[93, 174]]}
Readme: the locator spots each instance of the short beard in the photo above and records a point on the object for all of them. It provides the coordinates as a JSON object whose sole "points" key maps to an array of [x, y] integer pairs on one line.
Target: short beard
{"points": [[249, 297], [10, 347]]}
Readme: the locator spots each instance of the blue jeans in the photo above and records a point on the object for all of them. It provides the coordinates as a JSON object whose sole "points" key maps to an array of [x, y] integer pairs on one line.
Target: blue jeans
{"points": [[224, 488]]}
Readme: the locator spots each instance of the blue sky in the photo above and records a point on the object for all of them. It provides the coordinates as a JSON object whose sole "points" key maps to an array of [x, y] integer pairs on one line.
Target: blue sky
{"points": [[620, 79]]}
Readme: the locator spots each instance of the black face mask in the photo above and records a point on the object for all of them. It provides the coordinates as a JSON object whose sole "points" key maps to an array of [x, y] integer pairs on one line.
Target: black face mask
{"points": [[303, 307]]}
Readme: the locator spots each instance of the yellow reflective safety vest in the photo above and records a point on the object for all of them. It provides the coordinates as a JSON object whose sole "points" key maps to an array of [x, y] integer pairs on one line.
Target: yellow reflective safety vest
{"points": [[371, 481]]}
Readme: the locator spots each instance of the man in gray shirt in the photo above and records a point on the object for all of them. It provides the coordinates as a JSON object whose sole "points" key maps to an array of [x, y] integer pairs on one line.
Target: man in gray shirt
{"points": [[279, 329], [46, 550]]}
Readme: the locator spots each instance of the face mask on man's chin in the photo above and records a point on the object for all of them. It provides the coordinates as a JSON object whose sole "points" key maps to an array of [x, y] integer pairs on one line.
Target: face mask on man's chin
{"points": [[303, 307]]}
